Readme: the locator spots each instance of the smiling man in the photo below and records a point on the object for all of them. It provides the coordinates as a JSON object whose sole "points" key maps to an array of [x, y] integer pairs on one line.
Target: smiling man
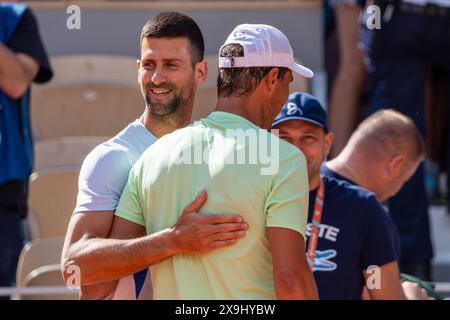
{"points": [[169, 71]]}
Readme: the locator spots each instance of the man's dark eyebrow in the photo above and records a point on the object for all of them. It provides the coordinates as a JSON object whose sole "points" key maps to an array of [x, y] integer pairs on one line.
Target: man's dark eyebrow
{"points": [[172, 60], [146, 58]]}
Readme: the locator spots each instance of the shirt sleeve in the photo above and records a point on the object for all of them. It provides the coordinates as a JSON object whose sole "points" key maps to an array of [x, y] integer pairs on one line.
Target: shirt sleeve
{"points": [[102, 179], [378, 246], [129, 207], [395, 237], [287, 203], [26, 39]]}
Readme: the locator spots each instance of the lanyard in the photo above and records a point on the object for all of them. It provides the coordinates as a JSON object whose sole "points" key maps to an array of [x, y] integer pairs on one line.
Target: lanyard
{"points": [[316, 218]]}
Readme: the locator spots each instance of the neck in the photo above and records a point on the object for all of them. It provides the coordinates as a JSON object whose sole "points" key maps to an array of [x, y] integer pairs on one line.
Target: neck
{"points": [[160, 126], [353, 167], [314, 181], [247, 107]]}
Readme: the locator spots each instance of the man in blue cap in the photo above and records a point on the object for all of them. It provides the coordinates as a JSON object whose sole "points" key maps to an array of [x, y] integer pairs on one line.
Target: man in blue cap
{"points": [[349, 237]]}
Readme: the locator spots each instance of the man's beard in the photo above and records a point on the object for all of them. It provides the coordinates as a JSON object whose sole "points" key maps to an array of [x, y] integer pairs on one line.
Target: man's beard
{"points": [[163, 109], [166, 108]]}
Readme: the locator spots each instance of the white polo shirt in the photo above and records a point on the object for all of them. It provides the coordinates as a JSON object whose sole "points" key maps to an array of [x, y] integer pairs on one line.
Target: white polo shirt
{"points": [[105, 170]]}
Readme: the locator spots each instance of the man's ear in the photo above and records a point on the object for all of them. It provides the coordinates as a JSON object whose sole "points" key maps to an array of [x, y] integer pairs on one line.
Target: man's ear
{"points": [[138, 65], [329, 138], [201, 72], [138, 68], [271, 80], [395, 165]]}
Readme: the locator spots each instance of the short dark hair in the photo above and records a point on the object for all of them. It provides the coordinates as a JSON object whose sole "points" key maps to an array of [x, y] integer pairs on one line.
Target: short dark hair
{"points": [[176, 25], [240, 81]]}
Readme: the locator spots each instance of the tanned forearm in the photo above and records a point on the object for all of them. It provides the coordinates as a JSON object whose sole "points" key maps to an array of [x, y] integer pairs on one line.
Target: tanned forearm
{"points": [[291, 285], [102, 260], [14, 76]]}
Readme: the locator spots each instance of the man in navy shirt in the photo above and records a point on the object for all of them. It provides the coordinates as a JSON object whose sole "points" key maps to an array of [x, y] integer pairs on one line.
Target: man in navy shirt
{"points": [[354, 237], [380, 156]]}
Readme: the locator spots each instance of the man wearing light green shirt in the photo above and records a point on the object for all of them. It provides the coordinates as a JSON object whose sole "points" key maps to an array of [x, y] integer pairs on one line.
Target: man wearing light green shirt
{"points": [[244, 169]]}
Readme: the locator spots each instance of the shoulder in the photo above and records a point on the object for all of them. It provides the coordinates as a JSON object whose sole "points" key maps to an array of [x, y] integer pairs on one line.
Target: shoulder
{"points": [[174, 141], [106, 153], [117, 154], [103, 176], [354, 196], [356, 205], [346, 189], [102, 161]]}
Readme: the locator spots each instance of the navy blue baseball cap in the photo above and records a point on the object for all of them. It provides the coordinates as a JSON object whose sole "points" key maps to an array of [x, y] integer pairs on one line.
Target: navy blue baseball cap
{"points": [[303, 106]]}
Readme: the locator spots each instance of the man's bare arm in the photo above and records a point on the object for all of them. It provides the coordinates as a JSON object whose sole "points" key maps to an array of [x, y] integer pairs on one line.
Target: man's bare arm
{"points": [[350, 79], [291, 274], [102, 260], [17, 70]]}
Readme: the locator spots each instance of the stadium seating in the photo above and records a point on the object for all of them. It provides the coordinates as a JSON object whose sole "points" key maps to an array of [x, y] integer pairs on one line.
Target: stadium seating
{"points": [[90, 95], [47, 276], [52, 198], [39, 266], [95, 109], [63, 152], [38, 253]]}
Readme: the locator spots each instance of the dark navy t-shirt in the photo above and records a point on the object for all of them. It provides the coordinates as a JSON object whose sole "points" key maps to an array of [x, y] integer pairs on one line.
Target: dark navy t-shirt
{"points": [[395, 235], [354, 234]]}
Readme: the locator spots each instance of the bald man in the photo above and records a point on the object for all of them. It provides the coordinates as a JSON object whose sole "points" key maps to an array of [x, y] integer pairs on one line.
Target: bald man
{"points": [[382, 154]]}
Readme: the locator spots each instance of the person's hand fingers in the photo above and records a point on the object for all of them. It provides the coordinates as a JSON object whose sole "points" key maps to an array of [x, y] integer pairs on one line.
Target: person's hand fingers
{"points": [[225, 227], [197, 204], [221, 244], [220, 218], [226, 236]]}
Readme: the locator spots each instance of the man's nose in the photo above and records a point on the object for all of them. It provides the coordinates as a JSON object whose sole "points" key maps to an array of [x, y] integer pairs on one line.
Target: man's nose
{"points": [[158, 76]]}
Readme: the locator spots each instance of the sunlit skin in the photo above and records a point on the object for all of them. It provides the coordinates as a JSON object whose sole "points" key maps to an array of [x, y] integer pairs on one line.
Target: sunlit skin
{"points": [[279, 97], [383, 175], [312, 141], [168, 78], [396, 175]]}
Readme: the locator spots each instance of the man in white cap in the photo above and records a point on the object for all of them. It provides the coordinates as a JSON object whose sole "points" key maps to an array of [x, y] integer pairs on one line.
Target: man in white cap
{"points": [[255, 70]]}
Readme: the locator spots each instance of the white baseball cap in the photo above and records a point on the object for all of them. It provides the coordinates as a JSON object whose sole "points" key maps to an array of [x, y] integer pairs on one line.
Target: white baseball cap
{"points": [[264, 46]]}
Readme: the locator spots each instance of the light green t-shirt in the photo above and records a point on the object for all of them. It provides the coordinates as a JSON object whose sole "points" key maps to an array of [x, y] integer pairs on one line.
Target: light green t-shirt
{"points": [[213, 155]]}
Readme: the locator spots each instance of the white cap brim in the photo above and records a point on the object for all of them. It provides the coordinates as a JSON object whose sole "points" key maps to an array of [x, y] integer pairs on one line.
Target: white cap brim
{"points": [[302, 70]]}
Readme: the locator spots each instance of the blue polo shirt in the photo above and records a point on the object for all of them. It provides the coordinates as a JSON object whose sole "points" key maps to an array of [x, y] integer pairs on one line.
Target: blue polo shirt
{"points": [[354, 234]]}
